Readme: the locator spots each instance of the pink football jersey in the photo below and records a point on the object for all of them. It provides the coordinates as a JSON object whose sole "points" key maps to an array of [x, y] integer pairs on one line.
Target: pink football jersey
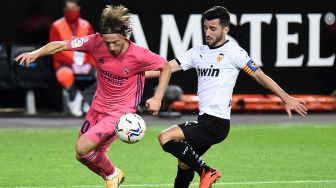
{"points": [[120, 78]]}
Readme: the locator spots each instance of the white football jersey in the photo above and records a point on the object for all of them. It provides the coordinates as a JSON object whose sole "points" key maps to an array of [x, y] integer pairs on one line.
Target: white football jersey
{"points": [[217, 70]]}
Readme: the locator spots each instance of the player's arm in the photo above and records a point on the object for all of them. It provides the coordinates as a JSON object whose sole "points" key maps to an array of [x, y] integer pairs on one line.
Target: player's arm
{"points": [[173, 65], [48, 49], [291, 103], [152, 74], [153, 104]]}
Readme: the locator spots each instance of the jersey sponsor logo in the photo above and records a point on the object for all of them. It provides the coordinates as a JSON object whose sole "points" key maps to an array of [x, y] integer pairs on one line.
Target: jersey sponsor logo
{"points": [[111, 78], [208, 71], [77, 43]]}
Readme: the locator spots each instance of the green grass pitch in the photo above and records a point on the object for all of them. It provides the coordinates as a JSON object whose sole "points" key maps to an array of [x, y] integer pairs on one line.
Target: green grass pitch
{"points": [[300, 156]]}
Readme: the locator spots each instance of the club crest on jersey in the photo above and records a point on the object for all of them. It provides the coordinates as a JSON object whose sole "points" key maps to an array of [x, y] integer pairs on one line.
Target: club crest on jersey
{"points": [[220, 58], [77, 43], [126, 70]]}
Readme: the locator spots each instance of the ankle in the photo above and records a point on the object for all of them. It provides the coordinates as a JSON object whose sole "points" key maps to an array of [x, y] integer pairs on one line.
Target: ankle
{"points": [[206, 168], [114, 174]]}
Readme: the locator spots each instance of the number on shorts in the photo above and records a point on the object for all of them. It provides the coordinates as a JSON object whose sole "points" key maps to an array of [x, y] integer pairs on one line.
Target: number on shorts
{"points": [[85, 126]]}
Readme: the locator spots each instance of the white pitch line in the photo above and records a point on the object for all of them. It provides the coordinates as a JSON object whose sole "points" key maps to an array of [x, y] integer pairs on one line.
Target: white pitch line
{"points": [[194, 184]]}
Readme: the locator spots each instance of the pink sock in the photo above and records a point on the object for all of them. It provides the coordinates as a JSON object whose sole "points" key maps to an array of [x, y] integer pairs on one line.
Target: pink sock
{"points": [[98, 162]]}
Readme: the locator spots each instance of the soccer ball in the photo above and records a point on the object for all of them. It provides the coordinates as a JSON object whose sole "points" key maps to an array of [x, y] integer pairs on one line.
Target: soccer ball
{"points": [[131, 128]]}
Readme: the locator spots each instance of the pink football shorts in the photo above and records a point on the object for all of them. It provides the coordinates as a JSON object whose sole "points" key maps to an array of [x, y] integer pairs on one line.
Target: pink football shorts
{"points": [[100, 127]]}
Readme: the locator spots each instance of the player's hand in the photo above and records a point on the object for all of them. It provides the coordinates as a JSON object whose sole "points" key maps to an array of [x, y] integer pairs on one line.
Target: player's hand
{"points": [[297, 105], [26, 58], [153, 106]]}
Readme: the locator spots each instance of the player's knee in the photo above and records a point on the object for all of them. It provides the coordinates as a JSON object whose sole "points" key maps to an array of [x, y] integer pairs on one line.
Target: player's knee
{"points": [[163, 138], [84, 146], [172, 133], [80, 150]]}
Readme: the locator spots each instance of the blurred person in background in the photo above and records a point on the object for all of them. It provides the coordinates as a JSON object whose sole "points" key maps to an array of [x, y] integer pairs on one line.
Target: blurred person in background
{"points": [[68, 64], [36, 25], [217, 64], [121, 67]]}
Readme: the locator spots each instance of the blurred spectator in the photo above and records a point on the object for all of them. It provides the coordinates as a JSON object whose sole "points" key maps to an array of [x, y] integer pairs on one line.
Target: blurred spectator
{"points": [[36, 25], [69, 64]]}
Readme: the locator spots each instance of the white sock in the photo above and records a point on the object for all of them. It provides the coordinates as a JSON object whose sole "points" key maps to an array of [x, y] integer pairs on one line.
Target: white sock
{"points": [[114, 174]]}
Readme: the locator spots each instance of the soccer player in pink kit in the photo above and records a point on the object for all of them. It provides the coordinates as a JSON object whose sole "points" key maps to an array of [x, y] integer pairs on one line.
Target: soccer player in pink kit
{"points": [[121, 67]]}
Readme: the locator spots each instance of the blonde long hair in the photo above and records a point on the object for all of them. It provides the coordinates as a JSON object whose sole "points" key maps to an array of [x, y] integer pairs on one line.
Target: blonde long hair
{"points": [[115, 20]]}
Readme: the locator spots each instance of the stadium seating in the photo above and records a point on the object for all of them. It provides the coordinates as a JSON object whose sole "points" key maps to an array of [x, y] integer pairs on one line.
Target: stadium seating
{"points": [[38, 75], [7, 80], [84, 81], [255, 102]]}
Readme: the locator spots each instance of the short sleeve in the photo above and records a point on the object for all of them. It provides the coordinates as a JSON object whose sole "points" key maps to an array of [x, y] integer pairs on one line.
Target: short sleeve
{"points": [[82, 44], [243, 61], [150, 60], [187, 60]]}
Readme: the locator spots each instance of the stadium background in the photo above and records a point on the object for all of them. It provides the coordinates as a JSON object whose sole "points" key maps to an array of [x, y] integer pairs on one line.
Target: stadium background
{"points": [[262, 150], [28, 22]]}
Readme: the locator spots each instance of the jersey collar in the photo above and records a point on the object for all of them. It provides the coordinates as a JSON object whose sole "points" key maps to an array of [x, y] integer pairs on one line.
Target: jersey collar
{"points": [[218, 46]]}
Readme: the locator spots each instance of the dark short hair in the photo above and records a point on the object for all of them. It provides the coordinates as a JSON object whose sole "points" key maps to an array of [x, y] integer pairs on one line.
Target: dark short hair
{"points": [[71, 1], [217, 12]]}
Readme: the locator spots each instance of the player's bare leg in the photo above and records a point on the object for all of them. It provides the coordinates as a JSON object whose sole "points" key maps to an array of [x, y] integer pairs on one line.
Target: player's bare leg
{"points": [[84, 146], [172, 133]]}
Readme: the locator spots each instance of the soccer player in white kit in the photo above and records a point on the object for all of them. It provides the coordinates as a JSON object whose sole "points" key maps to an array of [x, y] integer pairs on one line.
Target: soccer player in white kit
{"points": [[217, 64]]}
